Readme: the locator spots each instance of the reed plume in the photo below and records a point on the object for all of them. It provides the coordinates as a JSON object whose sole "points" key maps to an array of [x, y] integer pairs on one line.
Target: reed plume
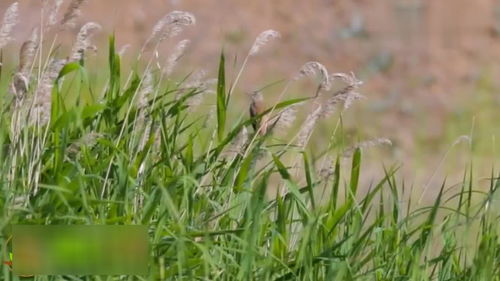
{"points": [[366, 144], [146, 89], [144, 93], [308, 127], [42, 108], [83, 41], [315, 69], [260, 41], [346, 95], [263, 39], [123, 50], [462, 139], [286, 118], [10, 20], [20, 81], [203, 90], [195, 81], [238, 145], [72, 13], [27, 53], [169, 26], [52, 9], [175, 56]]}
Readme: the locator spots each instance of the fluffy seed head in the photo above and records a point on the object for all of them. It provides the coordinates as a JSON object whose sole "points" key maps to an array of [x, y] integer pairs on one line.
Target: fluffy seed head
{"points": [[327, 168], [462, 139], [238, 144], [44, 91], [212, 112], [367, 144], [123, 49], [346, 95], [347, 78], [145, 135], [53, 10], [196, 79], [175, 56], [263, 39], [146, 89], [10, 20], [308, 127], [169, 26], [83, 40], [286, 118], [315, 69], [72, 13], [201, 85], [27, 53]]}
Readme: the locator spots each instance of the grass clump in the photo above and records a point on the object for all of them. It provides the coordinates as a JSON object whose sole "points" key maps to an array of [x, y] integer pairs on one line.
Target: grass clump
{"points": [[222, 201]]}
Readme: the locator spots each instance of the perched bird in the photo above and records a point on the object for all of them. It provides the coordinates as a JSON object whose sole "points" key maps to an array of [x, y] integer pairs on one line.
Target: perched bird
{"points": [[256, 108]]}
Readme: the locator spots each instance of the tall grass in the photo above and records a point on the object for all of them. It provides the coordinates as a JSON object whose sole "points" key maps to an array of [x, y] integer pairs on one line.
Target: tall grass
{"points": [[222, 201]]}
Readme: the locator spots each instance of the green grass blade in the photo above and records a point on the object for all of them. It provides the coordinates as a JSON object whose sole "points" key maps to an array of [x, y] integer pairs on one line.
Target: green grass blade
{"points": [[221, 98]]}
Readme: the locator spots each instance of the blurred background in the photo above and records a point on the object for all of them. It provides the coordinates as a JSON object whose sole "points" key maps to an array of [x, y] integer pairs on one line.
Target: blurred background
{"points": [[430, 68]]}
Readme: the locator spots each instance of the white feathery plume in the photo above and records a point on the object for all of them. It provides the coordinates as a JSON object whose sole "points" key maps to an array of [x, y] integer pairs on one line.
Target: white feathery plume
{"points": [[83, 40], [315, 69], [462, 139], [123, 49], [239, 142], [347, 95], [196, 79], [347, 78], [20, 81], [327, 168], [175, 56], [169, 26], [144, 135], [263, 39], [43, 95], [367, 144], [145, 90], [286, 118], [53, 10], [72, 13], [210, 116], [27, 53], [201, 86], [308, 126], [10, 20]]}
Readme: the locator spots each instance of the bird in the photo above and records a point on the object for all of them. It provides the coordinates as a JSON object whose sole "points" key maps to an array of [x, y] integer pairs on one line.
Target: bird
{"points": [[256, 108]]}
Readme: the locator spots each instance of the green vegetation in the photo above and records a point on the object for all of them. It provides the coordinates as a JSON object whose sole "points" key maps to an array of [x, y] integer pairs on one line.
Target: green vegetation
{"points": [[223, 201]]}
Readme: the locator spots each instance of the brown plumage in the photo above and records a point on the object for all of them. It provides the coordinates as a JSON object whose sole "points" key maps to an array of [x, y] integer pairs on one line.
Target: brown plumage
{"points": [[257, 107]]}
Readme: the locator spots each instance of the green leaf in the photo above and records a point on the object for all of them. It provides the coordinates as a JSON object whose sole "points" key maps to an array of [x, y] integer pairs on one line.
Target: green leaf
{"points": [[355, 169], [309, 180], [221, 99], [114, 70], [91, 110], [68, 68]]}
